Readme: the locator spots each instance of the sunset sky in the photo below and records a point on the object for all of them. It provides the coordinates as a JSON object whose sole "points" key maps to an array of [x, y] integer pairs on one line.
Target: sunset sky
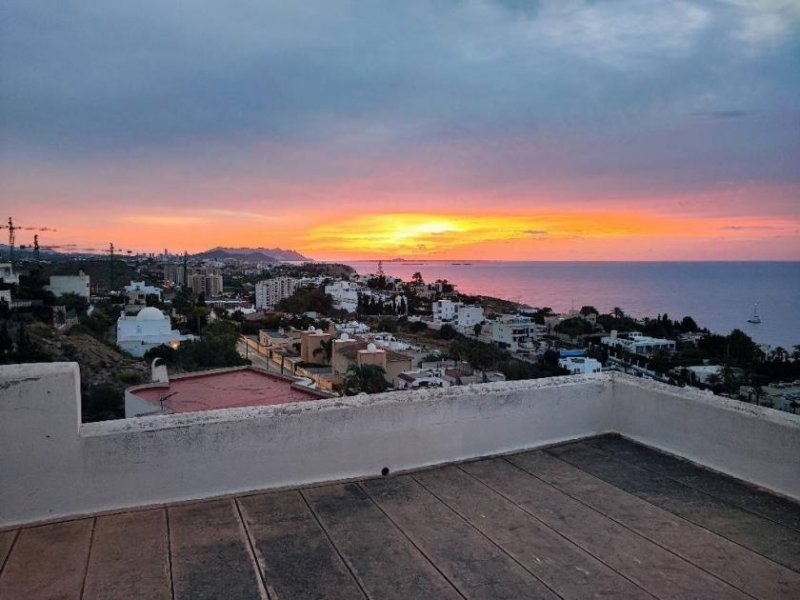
{"points": [[474, 129]]}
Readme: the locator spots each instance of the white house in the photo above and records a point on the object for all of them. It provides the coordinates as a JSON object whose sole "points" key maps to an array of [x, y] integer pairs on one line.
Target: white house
{"points": [[137, 292], [148, 329], [580, 365], [445, 310], [636, 343], [469, 316], [513, 332], [344, 295], [69, 284]]}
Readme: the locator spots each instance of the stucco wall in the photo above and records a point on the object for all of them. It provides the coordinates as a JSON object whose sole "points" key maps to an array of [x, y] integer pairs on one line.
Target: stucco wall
{"points": [[51, 466], [753, 443]]}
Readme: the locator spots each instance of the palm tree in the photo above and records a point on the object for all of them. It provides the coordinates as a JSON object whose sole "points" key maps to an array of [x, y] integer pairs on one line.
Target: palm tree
{"points": [[779, 354], [365, 378]]}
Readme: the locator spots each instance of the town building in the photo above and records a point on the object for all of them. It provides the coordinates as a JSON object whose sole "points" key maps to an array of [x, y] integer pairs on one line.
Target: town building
{"points": [[70, 284], [346, 352], [444, 310], [514, 333], [420, 378], [580, 365], [213, 390], [7, 274], [209, 285], [783, 396], [271, 291], [148, 329], [344, 294], [352, 327], [137, 292], [703, 373], [469, 316], [5, 296], [636, 343], [174, 274]]}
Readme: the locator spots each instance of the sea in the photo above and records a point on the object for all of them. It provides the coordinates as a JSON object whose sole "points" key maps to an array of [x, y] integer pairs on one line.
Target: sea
{"points": [[718, 295]]}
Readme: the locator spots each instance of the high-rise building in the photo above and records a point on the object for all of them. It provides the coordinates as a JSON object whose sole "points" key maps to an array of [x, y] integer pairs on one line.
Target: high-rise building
{"points": [[209, 285], [271, 291], [174, 274]]}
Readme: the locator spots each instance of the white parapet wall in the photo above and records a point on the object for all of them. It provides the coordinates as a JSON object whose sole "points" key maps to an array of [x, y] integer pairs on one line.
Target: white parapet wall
{"points": [[51, 466], [753, 443]]}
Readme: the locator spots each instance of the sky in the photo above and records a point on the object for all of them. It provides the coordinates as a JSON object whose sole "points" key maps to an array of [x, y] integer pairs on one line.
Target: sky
{"points": [[474, 129]]}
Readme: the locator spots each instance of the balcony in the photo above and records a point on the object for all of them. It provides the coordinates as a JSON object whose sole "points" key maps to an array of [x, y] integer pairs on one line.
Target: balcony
{"points": [[504, 490]]}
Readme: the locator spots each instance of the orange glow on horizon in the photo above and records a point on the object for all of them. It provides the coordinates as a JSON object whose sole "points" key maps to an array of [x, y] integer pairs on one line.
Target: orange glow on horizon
{"points": [[621, 234]]}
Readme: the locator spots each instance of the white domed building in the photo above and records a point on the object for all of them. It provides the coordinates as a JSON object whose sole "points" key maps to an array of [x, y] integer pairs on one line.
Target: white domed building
{"points": [[148, 329]]}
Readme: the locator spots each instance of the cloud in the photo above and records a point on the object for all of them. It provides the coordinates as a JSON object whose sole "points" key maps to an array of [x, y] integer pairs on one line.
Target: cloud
{"points": [[260, 108], [721, 114]]}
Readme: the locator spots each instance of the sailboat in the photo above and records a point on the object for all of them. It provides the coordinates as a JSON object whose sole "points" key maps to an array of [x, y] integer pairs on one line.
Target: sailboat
{"points": [[754, 318]]}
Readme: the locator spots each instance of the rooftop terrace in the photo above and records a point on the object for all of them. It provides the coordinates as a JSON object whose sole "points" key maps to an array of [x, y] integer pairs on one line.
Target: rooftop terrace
{"points": [[287, 501], [599, 518], [224, 388]]}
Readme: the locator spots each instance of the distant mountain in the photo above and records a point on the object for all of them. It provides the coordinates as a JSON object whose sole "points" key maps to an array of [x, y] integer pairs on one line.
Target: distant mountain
{"points": [[252, 254]]}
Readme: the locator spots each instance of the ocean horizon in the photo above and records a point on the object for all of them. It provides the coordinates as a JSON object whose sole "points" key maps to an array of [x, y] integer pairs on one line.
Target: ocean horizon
{"points": [[719, 295]]}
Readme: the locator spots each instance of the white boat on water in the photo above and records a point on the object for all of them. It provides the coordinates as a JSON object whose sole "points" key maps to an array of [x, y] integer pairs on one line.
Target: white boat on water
{"points": [[754, 318]]}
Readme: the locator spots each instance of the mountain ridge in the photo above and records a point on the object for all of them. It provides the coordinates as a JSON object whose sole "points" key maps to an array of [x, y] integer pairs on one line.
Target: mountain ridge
{"points": [[259, 254]]}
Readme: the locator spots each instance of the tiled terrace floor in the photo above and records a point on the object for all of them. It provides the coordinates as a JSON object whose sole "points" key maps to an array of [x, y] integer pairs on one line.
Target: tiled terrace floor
{"points": [[599, 518]]}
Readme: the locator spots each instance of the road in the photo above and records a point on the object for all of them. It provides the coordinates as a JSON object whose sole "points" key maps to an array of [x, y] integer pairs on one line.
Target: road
{"points": [[257, 359]]}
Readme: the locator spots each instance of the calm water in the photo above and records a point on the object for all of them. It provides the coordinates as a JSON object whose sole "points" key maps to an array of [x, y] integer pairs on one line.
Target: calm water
{"points": [[719, 295]]}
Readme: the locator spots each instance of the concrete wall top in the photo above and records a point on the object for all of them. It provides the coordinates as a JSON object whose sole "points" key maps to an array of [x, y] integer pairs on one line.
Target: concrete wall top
{"points": [[52, 466]]}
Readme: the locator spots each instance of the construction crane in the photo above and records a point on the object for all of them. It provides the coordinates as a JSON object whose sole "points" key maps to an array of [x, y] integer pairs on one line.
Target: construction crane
{"points": [[11, 235]]}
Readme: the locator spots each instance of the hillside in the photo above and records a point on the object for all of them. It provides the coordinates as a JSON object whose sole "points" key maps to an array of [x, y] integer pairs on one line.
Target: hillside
{"points": [[252, 254]]}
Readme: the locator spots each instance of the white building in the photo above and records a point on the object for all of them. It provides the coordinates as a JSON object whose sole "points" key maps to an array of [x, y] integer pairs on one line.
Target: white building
{"points": [[7, 274], [513, 333], [69, 284], [148, 329], [344, 294], [352, 328], [137, 292], [636, 343], [702, 373], [580, 365], [469, 316], [5, 296], [445, 310], [271, 291]]}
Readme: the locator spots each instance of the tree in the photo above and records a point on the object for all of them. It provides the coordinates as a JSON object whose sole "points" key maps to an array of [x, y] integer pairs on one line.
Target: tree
{"points": [[365, 378], [72, 301], [688, 324], [27, 350], [387, 324], [589, 310], [417, 278], [574, 327], [477, 328], [417, 326], [447, 332], [6, 343], [325, 349]]}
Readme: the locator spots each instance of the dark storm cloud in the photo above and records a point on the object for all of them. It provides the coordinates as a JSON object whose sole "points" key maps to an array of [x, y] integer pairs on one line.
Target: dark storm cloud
{"points": [[495, 90]]}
